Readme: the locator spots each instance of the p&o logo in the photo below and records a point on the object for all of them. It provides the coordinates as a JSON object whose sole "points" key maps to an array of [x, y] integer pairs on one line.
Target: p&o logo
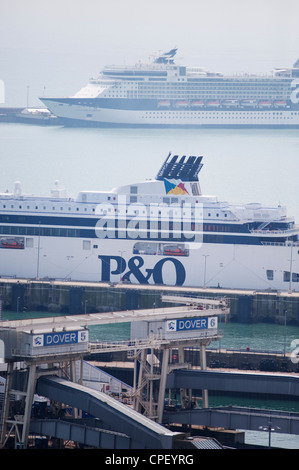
{"points": [[117, 265]]}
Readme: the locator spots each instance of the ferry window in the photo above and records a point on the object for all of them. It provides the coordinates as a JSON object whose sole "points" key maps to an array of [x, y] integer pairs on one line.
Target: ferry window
{"points": [[133, 189], [29, 242], [270, 274], [86, 244], [286, 276]]}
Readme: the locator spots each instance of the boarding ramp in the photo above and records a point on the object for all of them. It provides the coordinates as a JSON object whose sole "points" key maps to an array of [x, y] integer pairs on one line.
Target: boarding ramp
{"points": [[90, 434], [97, 379], [143, 432], [283, 385], [234, 417]]}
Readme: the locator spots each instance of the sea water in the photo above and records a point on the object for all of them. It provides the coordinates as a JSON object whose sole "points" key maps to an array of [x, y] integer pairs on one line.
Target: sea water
{"points": [[240, 165]]}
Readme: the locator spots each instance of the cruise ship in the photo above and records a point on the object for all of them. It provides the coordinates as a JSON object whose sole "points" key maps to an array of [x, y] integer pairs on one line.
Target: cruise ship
{"points": [[162, 231], [162, 93]]}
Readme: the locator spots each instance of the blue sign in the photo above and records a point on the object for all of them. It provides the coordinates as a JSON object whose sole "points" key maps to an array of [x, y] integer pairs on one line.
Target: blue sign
{"points": [[189, 324], [60, 338]]}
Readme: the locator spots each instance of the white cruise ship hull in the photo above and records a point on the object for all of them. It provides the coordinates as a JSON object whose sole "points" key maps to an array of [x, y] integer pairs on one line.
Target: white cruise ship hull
{"points": [[78, 115], [211, 265]]}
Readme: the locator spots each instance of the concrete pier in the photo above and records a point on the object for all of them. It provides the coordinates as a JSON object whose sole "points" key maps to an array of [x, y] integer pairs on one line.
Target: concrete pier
{"points": [[72, 297]]}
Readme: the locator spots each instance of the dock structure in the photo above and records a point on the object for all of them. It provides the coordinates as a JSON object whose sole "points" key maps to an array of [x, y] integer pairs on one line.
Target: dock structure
{"points": [[51, 346], [46, 356], [74, 297]]}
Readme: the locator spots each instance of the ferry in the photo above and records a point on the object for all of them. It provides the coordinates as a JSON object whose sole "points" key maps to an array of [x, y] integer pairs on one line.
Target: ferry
{"points": [[162, 93], [162, 231]]}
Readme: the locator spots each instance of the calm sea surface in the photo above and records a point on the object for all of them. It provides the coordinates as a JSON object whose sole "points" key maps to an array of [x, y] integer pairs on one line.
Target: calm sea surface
{"points": [[239, 166]]}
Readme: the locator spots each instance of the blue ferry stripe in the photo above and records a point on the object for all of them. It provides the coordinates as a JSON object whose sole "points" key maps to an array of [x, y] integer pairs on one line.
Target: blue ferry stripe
{"points": [[91, 233], [62, 226], [39, 219], [56, 220], [234, 234], [71, 221]]}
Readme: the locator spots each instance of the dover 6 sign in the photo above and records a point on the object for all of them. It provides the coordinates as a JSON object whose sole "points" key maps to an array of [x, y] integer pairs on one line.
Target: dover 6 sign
{"points": [[191, 324]]}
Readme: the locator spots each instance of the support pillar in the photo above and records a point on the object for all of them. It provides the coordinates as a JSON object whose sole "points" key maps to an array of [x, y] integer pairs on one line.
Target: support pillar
{"points": [[181, 354], [203, 366], [138, 397], [9, 375], [73, 377], [28, 405], [151, 398], [164, 371]]}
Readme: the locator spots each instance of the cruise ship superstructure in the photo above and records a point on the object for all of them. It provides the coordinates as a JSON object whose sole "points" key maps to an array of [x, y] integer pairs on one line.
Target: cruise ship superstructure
{"points": [[163, 231], [162, 93]]}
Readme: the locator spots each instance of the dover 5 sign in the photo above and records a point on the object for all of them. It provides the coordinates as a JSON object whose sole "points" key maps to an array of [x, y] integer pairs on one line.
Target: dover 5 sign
{"points": [[60, 338]]}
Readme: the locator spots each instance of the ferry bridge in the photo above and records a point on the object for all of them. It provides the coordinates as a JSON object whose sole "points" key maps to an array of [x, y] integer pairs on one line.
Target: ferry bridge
{"points": [[51, 351]]}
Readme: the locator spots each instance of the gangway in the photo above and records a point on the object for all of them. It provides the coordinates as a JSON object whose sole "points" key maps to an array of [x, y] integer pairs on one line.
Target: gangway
{"points": [[234, 417], [123, 316], [143, 432]]}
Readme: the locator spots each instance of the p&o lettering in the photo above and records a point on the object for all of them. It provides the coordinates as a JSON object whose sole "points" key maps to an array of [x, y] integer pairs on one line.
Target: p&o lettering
{"points": [[116, 265]]}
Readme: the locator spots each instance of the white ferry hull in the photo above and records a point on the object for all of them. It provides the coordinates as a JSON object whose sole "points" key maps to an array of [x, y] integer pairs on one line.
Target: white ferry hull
{"points": [[212, 264], [161, 231], [79, 115]]}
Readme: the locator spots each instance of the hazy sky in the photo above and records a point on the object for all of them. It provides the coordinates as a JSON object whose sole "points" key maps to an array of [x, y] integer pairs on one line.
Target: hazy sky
{"points": [[54, 46]]}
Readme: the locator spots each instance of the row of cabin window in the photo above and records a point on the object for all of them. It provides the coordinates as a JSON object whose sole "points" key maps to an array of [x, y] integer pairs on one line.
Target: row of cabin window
{"points": [[12, 206]]}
